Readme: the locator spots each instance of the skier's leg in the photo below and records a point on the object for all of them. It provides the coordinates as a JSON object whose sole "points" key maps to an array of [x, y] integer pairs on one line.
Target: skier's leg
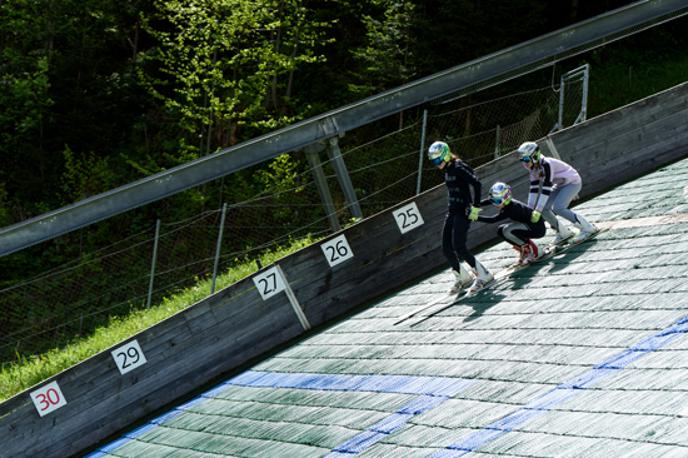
{"points": [[517, 247], [554, 204], [519, 234], [561, 204], [462, 275], [459, 238], [448, 243]]}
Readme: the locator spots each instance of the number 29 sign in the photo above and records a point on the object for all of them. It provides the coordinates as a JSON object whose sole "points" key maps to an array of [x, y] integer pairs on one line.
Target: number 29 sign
{"points": [[128, 357], [48, 398]]}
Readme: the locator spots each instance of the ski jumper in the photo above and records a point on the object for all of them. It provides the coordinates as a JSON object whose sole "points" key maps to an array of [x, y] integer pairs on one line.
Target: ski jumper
{"points": [[521, 229], [459, 178], [560, 184]]}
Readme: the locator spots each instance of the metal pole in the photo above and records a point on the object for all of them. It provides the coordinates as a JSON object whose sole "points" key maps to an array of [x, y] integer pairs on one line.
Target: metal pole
{"points": [[422, 151], [562, 87], [343, 177], [497, 140], [153, 262], [584, 102], [313, 157], [217, 247]]}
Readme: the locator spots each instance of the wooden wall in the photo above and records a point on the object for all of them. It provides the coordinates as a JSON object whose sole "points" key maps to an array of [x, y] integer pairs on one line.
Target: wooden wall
{"points": [[221, 332]]}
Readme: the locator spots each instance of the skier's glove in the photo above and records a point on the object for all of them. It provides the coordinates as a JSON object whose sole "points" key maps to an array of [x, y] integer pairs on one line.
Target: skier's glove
{"points": [[535, 217], [473, 213]]}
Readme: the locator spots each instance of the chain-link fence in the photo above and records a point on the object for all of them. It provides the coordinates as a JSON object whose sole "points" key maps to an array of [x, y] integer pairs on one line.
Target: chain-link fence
{"points": [[53, 308]]}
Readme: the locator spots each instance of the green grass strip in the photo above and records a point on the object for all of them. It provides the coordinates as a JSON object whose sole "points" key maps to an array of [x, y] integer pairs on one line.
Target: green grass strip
{"points": [[29, 371]]}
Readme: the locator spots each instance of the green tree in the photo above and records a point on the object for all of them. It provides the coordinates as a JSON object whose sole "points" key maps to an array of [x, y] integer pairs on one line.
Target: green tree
{"points": [[25, 101], [386, 58], [225, 69]]}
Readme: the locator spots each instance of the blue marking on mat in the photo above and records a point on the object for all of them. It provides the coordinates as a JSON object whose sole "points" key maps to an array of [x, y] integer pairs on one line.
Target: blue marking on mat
{"points": [[431, 386], [432, 391], [563, 392], [386, 426]]}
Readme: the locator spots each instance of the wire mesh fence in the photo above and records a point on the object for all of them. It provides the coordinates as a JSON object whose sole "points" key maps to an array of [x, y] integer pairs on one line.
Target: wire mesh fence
{"points": [[64, 303]]}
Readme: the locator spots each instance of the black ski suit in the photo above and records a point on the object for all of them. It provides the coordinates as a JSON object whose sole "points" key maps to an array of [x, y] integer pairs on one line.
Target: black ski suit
{"points": [[459, 178], [518, 232]]}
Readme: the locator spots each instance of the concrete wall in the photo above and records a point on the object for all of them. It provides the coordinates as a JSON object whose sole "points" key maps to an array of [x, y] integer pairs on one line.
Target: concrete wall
{"points": [[223, 331]]}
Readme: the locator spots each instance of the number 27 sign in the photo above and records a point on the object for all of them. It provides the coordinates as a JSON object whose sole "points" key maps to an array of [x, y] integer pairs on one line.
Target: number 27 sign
{"points": [[269, 283]]}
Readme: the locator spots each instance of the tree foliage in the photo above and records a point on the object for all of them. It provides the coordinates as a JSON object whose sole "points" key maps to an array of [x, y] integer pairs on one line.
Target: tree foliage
{"points": [[225, 68], [97, 93]]}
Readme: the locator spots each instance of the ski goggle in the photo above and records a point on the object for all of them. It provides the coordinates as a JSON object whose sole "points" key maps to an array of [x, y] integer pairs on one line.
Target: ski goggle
{"points": [[500, 197], [526, 158], [436, 161], [497, 200]]}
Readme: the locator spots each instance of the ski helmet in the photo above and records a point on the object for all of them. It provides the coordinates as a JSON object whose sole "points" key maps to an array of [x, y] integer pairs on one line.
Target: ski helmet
{"points": [[529, 152], [500, 194], [439, 152]]}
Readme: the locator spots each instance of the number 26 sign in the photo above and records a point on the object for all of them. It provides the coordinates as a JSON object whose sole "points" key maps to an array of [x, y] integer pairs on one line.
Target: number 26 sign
{"points": [[337, 250]]}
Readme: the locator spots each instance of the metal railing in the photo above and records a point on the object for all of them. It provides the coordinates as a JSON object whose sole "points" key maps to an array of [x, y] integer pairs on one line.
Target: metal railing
{"points": [[469, 77]]}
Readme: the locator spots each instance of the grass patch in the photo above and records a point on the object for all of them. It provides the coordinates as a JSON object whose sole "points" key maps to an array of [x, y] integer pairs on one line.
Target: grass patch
{"points": [[16, 377]]}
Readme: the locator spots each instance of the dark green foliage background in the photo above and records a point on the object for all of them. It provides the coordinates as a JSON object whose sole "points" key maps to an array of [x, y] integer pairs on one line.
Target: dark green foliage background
{"points": [[92, 99]]}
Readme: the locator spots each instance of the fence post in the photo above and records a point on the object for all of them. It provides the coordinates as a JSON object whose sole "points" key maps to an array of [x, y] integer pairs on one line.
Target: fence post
{"points": [[313, 155], [343, 177], [584, 100], [497, 141], [153, 262], [217, 247], [421, 151]]}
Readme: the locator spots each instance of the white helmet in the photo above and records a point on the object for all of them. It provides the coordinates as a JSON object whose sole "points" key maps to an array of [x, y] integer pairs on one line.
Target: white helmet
{"points": [[439, 152], [529, 152], [500, 194]]}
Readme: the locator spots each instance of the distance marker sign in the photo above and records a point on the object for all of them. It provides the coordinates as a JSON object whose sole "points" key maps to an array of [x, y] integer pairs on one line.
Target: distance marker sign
{"points": [[408, 217], [128, 357], [269, 283], [337, 250], [48, 398]]}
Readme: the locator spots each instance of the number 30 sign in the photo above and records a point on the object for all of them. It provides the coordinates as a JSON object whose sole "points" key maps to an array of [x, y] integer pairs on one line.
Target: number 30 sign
{"points": [[48, 398]]}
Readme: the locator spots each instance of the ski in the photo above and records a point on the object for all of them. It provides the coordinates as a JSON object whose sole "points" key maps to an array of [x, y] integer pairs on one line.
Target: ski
{"points": [[454, 297], [548, 252]]}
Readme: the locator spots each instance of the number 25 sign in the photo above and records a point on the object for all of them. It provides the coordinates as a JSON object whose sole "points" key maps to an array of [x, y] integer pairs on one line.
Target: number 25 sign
{"points": [[48, 398]]}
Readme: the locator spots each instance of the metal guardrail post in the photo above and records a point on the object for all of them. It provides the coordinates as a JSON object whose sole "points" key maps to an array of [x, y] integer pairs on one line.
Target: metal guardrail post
{"points": [[584, 103], [421, 155], [343, 177], [582, 72], [497, 142], [313, 156], [153, 262], [218, 246]]}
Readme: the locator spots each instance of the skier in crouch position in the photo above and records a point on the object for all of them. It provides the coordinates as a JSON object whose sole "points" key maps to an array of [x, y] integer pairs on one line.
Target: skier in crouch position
{"points": [[459, 178], [560, 184], [522, 230]]}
